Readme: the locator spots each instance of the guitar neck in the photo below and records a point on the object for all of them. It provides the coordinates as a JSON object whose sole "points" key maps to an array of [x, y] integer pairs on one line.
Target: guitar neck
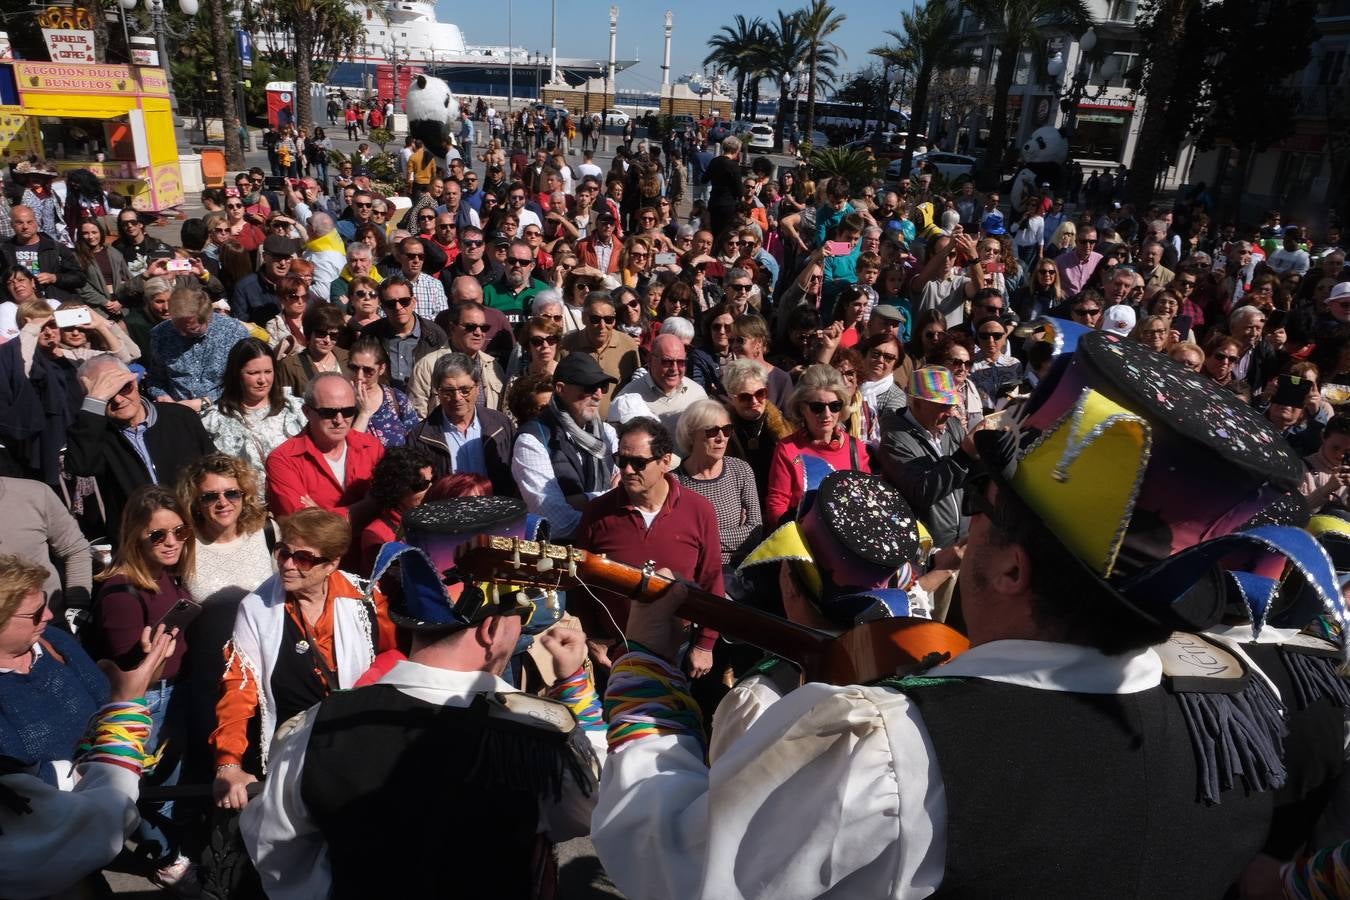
{"points": [[768, 632]]}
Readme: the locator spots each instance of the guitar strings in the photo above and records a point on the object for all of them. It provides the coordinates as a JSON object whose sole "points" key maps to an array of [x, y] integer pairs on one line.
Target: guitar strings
{"points": [[602, 605]]}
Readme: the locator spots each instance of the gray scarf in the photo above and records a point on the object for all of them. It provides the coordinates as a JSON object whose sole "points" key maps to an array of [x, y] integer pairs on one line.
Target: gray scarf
{"points": [[591, 441]]}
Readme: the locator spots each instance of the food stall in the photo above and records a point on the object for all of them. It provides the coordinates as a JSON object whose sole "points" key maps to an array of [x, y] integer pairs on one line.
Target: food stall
{"points": [[113, 120]]}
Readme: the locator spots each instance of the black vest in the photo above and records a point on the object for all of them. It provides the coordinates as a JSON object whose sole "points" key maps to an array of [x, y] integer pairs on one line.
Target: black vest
{"points": [[1314, 748], [569, 468], [419, 799], [1060, 795]]}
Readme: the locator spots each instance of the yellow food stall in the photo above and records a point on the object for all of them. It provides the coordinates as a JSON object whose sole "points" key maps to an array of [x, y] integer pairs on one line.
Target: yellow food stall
{"points": [[113, 120]]}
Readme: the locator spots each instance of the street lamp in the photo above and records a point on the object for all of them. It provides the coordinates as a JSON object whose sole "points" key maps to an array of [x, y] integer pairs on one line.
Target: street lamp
{"points": [[1077, 88], [159, 24]]}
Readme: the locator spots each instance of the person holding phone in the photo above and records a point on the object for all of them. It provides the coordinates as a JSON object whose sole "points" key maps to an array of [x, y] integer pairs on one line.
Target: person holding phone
{"points": [[144, 587]]}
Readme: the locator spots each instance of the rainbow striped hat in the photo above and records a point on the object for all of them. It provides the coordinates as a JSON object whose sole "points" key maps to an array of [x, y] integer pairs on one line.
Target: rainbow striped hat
{"points": [[934, 384]]}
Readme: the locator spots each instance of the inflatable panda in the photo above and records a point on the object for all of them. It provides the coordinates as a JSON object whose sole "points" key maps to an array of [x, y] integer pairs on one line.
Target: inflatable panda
{"points": [[1043, 158], [433, 113]]}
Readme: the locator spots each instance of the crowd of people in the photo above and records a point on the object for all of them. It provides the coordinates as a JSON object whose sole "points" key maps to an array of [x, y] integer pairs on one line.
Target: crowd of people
{"points": [[208, 444]]}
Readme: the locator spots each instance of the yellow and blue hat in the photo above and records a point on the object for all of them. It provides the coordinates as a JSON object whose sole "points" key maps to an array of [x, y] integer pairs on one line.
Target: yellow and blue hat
{"points": [[1155, 481], [852, 545]]}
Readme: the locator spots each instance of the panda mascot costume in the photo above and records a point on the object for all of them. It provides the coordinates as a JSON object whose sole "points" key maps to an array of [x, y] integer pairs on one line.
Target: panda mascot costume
{"points": [[1043, 157], [433, 114]]}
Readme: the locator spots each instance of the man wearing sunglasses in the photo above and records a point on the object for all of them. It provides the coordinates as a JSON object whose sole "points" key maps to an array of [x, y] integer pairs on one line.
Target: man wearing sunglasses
{"points": [[1077, 269], [256, 296], [472, 259], [665, 388], [649, 517], [411, 253], [327, 465], [407, 337], [513, 291], [125, 441], [927, 453], [470, 327], [361, 211], [616, 352]]}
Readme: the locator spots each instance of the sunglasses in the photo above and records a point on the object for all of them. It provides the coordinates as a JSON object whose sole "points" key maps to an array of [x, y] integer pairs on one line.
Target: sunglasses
{"points": [[952, 362], [516, 262], [429, 218], [364, 295], [232, 206], [598, 320], [819, 406], [667, 363], [303, 559], [1085, 311], [392, 302], [369, 371], [363, 205], [760, 396], [1224, 358], [234, 495], [991, 335], [715, 430], [471, 243], [475, 327], [331, 335], [638, 463], [332, 412], [738, 287], [882, 355], [465, 391], [543, 340], [160, 535]]}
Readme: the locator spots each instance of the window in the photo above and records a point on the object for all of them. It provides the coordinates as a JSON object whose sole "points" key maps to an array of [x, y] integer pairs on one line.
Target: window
{"points": [[1123, 10]]}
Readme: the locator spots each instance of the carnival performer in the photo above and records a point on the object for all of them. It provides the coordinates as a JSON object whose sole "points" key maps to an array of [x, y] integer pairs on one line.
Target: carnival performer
{"points": [[1100, 527]]}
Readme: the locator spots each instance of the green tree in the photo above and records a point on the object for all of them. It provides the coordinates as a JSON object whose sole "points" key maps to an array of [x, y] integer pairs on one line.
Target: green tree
{"points": [[1224, 82], [1019, 24], [316, 30], [732, 50], [819, 22], [222, 46], [783, 46], [924, 46]]}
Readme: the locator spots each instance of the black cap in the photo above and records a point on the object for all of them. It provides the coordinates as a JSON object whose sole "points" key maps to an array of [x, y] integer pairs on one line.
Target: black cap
{"points": [[582, 370], [605, 217], [276, 245]]}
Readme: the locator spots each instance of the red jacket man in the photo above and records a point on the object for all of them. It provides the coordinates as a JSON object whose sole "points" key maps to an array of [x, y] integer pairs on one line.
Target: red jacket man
{"points": [[602, 239]]}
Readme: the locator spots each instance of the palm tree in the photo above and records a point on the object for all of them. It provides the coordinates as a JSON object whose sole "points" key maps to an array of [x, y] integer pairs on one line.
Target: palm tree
{"points": [[1168, 33], [925, 46], [222, 39], [1021, 23], [782, 46], [731, 48], [318, 30], [818, 23]]}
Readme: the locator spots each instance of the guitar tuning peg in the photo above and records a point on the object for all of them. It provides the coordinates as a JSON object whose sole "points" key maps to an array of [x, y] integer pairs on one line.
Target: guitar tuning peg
{"points": [[571, 567], [515, 553], [543, 565]]}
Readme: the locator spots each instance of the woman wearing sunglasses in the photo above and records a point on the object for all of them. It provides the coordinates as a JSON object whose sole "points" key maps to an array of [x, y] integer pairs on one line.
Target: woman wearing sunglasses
{"points": [[400, 483], [757, 424], [304, 633], [383, 410], [818, 403], [145, 583], [1041, 293], [704, 435], [540, 339]]}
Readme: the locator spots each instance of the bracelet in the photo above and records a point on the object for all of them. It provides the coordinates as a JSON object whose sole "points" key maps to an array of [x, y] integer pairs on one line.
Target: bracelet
{"points": [[228, 766]]}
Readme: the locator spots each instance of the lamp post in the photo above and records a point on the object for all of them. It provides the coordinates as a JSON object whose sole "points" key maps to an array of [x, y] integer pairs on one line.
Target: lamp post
{"points": [[159, 24], [1072, 94]]}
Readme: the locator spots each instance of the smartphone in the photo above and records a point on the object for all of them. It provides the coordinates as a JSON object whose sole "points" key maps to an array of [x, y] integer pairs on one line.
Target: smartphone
{"points": [[274, 183], [993, 268], [179, 265], [1181, 325], [73, 318], [665, 259], [179, 616], [840, 248]]}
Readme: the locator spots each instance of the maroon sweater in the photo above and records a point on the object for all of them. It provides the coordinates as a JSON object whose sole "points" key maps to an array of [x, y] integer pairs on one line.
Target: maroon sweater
{"points": [[122, 609], [683, 538]]}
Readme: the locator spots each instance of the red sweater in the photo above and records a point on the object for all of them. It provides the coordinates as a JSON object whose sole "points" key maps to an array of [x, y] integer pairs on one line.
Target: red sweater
{"points": [[297, 469], [784, 489], [683, 538]]}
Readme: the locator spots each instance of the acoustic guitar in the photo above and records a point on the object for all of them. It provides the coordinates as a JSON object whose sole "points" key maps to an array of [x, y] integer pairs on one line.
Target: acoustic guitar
{"points": [[861, 655]]}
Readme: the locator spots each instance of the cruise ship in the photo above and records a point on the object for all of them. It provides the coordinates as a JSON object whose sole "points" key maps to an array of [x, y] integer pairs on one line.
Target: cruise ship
{"points": [[407, 32]]}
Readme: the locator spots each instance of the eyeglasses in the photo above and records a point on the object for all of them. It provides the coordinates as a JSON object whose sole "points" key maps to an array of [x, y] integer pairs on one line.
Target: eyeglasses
{"points": [[668, 363], [475, 327], [332, 412], [518, 263], [37, 615], [1087, 311], [464, 390], [598, 320], [1153, 332], [160, 535], [234, 495], [638, 463], [715, 430], [819, 406], [369, 371], [758, 396], [391, 302], [541, 340], [953, 362], [303, 559]]}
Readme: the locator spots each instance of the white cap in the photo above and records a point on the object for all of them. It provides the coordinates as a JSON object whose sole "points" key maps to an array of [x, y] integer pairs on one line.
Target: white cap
{"points": [[629, 406], [1118, 319]]}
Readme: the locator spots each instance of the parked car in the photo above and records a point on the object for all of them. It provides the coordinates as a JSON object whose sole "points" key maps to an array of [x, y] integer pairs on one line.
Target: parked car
{"points": [[892, 144], [760, 137], [951, 166], [680, 123], [616, 117]]}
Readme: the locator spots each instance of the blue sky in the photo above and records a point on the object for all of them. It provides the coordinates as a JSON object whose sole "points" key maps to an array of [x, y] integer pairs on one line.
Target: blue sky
{"points": [[583, 29]]}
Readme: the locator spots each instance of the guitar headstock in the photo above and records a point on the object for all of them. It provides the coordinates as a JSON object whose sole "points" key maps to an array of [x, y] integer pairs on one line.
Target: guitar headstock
{"points": [[518, 561]]}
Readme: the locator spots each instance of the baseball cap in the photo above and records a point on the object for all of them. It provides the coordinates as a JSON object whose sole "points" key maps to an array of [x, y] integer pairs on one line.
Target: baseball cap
{"points": [[1119, 319], [582, 370]]}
